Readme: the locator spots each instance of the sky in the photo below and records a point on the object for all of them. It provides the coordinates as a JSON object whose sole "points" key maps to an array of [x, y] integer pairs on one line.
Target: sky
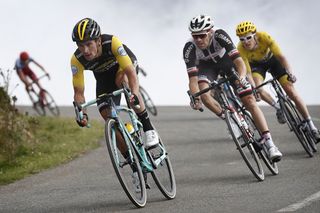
{"points": [[156, 31]]}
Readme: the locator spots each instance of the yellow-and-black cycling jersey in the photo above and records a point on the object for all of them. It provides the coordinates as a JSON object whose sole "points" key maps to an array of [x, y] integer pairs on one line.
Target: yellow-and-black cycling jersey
{"points": [[263, 58], [115, 58]]}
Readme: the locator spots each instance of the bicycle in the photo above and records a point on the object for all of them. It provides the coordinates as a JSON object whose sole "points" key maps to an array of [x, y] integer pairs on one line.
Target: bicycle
{"points": [[42, 100], [242, 128], [155, 161], [293, 118], [151, 107]]}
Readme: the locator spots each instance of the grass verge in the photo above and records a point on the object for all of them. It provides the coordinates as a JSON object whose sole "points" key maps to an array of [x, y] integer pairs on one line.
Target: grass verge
{"points": [[54, 141]]}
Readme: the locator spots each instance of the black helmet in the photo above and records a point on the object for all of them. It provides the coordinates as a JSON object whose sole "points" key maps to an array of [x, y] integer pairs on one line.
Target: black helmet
{"points": [[86, 29]]}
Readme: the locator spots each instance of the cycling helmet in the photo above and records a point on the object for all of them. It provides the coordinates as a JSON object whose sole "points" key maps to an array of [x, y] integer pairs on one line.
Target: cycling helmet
{"points": [[85, 30], [200, 23], [24, 56], [245, 27]]}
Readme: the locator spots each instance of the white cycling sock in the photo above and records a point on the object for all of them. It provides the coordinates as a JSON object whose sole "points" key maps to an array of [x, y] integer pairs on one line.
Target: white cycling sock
{"points": [[268, 140]]}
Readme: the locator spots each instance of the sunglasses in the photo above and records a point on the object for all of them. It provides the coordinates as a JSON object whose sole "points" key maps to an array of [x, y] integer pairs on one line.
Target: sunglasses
{"points": [[201, 36], [243, 39]]}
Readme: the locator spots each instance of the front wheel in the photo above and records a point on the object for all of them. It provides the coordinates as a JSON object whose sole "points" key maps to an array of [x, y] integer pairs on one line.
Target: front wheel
{"points": [[294, 122], [263, 153], [36, 103], [163, 175], [127, 168], [244, 146]]}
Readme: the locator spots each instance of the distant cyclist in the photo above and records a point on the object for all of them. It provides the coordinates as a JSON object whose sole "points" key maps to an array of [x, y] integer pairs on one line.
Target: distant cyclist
{"points": [[210, 52], [262, 54], [26, 75]]}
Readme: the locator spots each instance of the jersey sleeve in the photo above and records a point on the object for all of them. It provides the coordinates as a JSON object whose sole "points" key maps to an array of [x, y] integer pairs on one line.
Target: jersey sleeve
{"points": [[189, 57], [120, 53], [77, 72], [225, 41], [274, 47]]}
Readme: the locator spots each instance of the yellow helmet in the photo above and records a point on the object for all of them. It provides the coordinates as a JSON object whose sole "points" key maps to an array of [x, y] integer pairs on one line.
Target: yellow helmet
{"points": [[245, 27]]}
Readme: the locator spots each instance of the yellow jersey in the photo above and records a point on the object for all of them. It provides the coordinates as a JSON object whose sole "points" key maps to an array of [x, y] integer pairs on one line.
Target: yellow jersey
{"points": [[267, 47]]}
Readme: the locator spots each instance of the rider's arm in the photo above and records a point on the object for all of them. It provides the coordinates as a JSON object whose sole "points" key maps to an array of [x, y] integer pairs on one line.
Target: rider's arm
{"points": [[275, 49], [40, 66], [240, 67], [77, 80], [125, 63], [132, 79]]}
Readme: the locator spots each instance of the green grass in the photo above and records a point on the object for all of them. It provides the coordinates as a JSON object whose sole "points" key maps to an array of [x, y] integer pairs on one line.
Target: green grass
{"points": [[54, 141]]}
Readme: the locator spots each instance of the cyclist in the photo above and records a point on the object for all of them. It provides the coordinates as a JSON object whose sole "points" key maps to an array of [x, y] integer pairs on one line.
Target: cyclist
{"points": [[108, 59], [261, 54], [24, 71], [211, 52]]}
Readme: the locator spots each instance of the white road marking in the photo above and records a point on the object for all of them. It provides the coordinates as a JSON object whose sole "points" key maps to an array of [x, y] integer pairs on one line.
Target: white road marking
{"points": [[301, 204]]}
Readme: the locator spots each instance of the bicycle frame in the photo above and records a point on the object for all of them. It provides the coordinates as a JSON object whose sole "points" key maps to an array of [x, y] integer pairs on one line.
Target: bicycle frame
{"points": [[134, 138]]}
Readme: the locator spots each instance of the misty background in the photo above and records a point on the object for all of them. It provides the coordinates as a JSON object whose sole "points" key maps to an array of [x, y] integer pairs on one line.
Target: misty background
{"points": [[156, 31]]}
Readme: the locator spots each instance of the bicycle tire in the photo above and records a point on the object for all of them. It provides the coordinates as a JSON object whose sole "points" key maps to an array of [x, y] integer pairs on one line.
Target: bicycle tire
{"points": [[148, 101], [263, 154], [163, 175], [36, 104], [294, 121], [310, 139], [51, 104], [124, 172], [244, 146]]}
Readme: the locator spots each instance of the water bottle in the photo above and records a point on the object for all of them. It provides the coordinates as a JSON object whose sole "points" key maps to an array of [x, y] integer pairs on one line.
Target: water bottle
{"points": [[129, 127], [135, 137]]}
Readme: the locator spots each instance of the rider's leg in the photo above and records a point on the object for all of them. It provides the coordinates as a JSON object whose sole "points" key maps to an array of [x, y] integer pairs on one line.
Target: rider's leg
{"points": [[151, 136], [301, 106], [259, 119], [258, 79]]}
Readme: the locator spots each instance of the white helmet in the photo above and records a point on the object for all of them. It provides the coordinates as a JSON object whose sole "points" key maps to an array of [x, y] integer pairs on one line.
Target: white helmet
{"points": [[200, 23]]}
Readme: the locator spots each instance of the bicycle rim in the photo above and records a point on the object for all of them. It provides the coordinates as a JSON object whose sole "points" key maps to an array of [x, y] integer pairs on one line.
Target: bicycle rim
{"points": [[272, 166], [51, 104], [295, 120], [163, 175], [38, 107], [310, 139], [148, 102], [124, 171], [245, 148]]}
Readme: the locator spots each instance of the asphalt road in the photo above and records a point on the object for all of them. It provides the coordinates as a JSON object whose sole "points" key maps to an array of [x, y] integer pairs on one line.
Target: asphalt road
{"points": [[210, 174]]}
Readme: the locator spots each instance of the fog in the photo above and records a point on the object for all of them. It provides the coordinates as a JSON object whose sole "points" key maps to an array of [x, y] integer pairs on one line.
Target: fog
{"points": [[156, 31]]}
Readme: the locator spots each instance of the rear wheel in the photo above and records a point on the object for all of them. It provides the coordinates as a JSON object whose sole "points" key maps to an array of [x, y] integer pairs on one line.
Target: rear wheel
{"points": [[148, 102], [163, 175], [36, 103], [244, 146], [295, 123], [125, 168]]}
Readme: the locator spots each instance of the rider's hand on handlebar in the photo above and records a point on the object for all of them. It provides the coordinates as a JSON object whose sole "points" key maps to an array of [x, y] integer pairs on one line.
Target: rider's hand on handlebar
{"points": [[82, 118], [196, 104], [84, 121], [134, 100]]}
